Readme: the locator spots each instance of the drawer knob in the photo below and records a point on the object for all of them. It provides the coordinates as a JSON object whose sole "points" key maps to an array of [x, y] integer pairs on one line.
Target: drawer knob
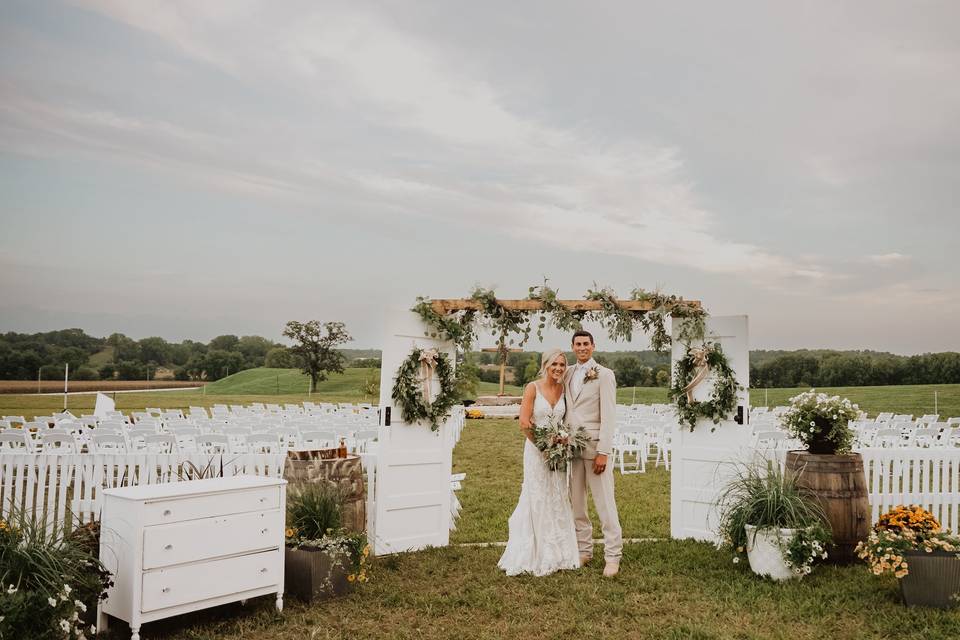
{"points": [[165, 590], [264, 530], [264, 570], [167, 512], [168, 547]]}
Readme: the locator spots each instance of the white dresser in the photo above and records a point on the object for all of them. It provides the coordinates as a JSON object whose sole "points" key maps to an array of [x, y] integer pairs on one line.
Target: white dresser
{"points": [[182, 546]]}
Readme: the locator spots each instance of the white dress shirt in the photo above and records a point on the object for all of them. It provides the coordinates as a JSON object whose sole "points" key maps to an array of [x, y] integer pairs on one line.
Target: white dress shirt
{"points": [[580, 376]]}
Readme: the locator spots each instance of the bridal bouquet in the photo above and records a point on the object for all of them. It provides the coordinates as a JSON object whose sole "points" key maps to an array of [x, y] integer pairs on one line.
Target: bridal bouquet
{"points": [[558, 442]]}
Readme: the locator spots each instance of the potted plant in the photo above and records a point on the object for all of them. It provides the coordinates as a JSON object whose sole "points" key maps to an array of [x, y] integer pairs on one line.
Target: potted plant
{"points": [[766, 515], [908, 542], [322, 559], [828, 469]]}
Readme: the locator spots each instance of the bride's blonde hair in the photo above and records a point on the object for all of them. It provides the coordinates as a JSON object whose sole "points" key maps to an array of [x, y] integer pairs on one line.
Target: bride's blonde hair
{"points": [[548, 357]]}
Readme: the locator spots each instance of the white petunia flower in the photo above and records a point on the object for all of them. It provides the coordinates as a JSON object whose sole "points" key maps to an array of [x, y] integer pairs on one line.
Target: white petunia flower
{"points": [[52, 601], [80, 605], [65, 626], [12, 589]]}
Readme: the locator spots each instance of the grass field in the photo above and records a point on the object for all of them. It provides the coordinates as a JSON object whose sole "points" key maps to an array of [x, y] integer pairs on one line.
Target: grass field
{"points": [[667, 590], [289, 385]]}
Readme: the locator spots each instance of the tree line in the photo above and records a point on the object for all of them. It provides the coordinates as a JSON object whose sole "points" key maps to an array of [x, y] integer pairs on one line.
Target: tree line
{"points": [[26, 356], [315, 350]]}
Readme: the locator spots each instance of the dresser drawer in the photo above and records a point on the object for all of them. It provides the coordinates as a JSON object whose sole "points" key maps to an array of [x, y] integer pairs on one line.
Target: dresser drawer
{"points": [[214, 504], [204, 580], [193, 540]]}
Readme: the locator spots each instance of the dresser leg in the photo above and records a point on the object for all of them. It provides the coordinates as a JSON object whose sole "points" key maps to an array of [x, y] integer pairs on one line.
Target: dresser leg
{"points": [[134, 632], [279, 601], [101, 619]]}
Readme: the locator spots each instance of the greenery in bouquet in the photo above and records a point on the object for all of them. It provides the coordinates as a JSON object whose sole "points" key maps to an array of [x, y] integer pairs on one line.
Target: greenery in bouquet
{"points": [[314, 518], [558, 442], [819, 420], [50, 581], [903, 529], [767, 497]]}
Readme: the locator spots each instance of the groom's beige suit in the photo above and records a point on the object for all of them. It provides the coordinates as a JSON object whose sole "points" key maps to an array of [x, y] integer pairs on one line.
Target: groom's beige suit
{"points": [[592, 405]]}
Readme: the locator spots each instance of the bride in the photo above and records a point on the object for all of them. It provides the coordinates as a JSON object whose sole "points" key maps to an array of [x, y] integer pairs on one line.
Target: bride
{"points": [[542, 536]]}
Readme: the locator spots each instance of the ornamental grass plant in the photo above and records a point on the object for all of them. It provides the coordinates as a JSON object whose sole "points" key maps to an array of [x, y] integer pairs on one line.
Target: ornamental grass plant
{"points": [[767, 497], [50, 580], [314, 510]]}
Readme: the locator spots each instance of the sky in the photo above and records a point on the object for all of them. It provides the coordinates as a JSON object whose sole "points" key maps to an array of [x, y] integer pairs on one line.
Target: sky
{"points": [[193, 168]]}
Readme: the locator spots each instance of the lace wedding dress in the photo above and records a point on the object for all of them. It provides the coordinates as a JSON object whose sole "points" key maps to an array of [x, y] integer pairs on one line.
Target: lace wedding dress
{"points": [[542, 536]]}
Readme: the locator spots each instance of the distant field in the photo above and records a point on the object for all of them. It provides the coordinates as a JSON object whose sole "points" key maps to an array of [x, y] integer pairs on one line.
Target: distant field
{"points": [[291, 386], [56, 386]]}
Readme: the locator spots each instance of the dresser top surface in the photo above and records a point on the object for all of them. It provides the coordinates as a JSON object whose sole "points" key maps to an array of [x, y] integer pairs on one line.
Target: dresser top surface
{"points": [[187, 488]]}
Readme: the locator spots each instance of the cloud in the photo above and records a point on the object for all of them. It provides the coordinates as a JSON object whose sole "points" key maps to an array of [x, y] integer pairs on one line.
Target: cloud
{"points": [[458, 153], [887, 258]]}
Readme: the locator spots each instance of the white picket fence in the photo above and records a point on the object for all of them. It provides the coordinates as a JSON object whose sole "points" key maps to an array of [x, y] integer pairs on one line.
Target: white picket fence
{"points": [[926, 477], [62, 488]]}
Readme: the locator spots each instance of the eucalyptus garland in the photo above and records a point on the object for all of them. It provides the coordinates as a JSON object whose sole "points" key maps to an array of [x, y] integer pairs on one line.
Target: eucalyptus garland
{"points": [[408, 390], [619, 322], [561, 317], [723, 398]]}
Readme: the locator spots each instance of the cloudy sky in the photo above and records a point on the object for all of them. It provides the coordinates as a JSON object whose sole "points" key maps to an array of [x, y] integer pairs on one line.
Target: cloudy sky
{"points": [[192, 168]]}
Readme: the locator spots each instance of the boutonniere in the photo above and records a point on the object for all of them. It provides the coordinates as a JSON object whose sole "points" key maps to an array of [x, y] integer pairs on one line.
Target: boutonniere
{"points": [[592, 374]]}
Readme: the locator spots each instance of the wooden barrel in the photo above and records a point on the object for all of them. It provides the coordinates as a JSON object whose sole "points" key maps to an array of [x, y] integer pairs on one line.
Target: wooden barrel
{"points": [[840, 485], [345, 473]]}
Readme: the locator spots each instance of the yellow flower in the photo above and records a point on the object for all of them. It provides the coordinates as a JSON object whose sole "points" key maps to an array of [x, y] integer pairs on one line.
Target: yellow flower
{"points": [[351, 578], [291, 532]]}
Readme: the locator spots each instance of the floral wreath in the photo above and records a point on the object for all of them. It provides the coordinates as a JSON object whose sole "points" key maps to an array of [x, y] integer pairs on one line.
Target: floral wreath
{"points": [[691, 370], [412, 387]]}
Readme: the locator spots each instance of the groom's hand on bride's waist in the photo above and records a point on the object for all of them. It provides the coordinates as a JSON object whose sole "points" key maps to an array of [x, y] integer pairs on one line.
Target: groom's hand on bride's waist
{"points": [[600, 463]]}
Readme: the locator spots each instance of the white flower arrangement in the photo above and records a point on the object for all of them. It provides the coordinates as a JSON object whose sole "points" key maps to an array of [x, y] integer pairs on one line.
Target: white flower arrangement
{"points": [[821, 422]]}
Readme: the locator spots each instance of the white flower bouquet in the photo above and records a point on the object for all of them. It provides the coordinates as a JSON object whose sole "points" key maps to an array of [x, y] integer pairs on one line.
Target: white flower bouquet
{"points": [[558, 442], [821, 422]]}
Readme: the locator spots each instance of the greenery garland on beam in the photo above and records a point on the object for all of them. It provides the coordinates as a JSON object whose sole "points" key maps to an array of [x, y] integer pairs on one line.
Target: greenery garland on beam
{"points": [[408, 393], [723, 398]]}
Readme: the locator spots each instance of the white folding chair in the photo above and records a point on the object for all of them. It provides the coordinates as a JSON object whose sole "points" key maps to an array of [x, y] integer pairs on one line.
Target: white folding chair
{"points": [[58, 443], [264, 443], [162, 443], [15, 441], [212, 443], [107, 443]]}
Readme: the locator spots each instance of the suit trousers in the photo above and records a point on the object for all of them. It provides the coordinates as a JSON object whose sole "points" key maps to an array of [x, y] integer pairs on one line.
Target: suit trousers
{"points": [[601, 488]]}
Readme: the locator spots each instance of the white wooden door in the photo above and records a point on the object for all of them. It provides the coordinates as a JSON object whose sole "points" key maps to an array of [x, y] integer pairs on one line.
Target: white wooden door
{"points": [[703, 460], [413, 462]]}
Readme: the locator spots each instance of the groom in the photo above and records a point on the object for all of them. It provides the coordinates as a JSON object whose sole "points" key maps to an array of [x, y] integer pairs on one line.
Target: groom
{"points": [[591, 399]]}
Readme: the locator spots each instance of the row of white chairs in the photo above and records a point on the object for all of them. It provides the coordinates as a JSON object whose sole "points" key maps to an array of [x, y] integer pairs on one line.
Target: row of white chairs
{"points": [[181, 441]]}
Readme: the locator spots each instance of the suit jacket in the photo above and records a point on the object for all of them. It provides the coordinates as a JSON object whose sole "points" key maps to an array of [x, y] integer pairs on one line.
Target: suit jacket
{"points": [[594, 409]]}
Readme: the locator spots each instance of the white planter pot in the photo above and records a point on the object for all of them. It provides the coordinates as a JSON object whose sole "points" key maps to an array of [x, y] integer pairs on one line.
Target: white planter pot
{"points": [[764, 553]]}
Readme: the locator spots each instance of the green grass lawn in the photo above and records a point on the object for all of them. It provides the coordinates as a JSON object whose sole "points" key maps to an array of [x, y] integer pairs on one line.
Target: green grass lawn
{"points": [[667, 590]]}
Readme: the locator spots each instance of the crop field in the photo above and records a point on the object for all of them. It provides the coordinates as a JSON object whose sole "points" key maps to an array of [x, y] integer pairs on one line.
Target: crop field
{"points": [[56, 386]]}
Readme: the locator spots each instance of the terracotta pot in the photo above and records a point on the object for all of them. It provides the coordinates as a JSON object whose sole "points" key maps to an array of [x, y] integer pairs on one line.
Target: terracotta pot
{"points": [[933, 579], [312, 574]]}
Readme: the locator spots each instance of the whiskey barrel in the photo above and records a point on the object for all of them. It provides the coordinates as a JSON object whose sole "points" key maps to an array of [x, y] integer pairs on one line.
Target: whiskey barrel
{"points": [[838, 482], [345, 473]]}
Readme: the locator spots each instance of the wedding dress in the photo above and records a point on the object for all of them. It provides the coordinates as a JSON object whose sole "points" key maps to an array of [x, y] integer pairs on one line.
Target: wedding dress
{"points": [[542, 537]]}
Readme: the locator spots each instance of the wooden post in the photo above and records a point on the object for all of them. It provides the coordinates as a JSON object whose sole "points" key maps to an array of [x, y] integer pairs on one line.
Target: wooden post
{"points": [[503, 362]]}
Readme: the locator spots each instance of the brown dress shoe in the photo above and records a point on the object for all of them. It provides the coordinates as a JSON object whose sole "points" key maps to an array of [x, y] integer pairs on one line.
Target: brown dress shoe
{"points": [[585, 559]]}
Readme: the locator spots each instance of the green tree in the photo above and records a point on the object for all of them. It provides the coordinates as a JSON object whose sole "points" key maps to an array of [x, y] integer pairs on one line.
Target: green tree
{"points": [[254, 350], [123, 347], [219, 363], [315, 346], [468, 377], [155, 349], [227, 342], [663, 378], [280, 358]]}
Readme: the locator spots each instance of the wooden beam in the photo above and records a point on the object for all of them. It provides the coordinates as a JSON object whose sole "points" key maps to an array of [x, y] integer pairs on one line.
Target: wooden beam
{"points": [[462, 304]]}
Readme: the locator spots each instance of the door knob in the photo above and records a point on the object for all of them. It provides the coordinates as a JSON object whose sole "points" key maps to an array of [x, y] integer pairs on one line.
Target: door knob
{"points": [[168, 547]]}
